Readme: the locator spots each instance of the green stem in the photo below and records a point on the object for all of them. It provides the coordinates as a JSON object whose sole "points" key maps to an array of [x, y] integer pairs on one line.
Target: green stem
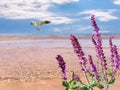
{"points": [[107, 87], [88, 81], [82, 83]]}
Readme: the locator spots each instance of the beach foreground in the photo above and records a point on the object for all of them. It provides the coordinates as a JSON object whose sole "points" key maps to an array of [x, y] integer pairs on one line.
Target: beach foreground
{"points": [[28, 63]]}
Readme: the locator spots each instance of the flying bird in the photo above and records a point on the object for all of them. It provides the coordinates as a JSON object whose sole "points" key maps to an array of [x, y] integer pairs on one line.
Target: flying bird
{"points": [[39, 24]]}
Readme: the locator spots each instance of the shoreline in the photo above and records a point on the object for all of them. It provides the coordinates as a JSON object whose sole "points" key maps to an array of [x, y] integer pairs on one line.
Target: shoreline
{"points": [[53, 36]]}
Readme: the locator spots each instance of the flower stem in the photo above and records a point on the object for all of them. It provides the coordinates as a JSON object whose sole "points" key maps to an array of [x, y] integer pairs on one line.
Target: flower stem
{"points": [[87, 81]]}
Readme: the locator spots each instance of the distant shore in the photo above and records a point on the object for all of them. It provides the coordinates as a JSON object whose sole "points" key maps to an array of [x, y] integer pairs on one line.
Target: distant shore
{"points": [[54, 36]]}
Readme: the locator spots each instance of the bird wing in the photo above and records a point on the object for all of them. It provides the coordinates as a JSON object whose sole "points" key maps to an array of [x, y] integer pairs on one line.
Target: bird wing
{"points": [[40, 23]]}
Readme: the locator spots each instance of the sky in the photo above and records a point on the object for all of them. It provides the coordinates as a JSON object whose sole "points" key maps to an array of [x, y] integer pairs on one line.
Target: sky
{"points": [[66, 16]]}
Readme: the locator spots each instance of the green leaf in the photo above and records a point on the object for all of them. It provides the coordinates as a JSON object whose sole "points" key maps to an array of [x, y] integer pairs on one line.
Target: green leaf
{"points": [[98, 85], [65, 83], [92, 84], [82, 88], [104, 79], [111, 81], [72, 83], [109, 72], [89, 74]]}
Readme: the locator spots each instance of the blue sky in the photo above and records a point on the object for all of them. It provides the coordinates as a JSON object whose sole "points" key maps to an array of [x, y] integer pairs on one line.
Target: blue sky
{"points": [[66, 16]]}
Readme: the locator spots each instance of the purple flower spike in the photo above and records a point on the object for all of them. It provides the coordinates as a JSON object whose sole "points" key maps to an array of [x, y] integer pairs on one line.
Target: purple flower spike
{"points": [[115, 58], [78, 50], [111, 49], [93, 68], [94, 23], [98, 45], [62, 65], [96, 29], [76, 45]]}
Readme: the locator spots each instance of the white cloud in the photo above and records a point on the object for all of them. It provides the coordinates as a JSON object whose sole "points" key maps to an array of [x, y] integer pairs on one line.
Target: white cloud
{"points": [[100, 14], [104, 31], [82, 28], [57, 29], [65, 28], [63, 1], [117, 2], [24, 9], [73, 28]]}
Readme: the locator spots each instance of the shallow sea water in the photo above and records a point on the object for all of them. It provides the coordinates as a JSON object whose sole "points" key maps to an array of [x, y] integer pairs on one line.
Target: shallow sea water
{"points": [[51, 43]]}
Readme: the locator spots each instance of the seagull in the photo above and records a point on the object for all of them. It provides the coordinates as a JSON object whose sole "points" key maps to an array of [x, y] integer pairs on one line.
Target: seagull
{"points": [[39, 24]]}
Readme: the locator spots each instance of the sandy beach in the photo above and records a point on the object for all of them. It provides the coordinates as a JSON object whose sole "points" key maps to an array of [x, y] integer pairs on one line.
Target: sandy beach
{"points": [[28, 63]]}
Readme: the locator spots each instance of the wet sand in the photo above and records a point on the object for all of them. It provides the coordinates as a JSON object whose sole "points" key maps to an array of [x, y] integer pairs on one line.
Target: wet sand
{"points": [[28, 63]]}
